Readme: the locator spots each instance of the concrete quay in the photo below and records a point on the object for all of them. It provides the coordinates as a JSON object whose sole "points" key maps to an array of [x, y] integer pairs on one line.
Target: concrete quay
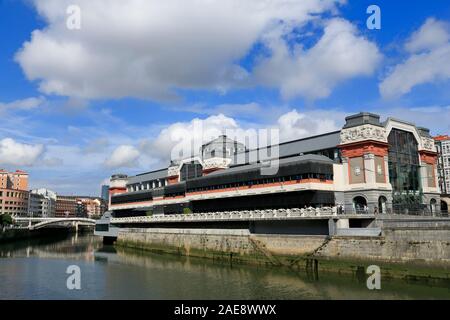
{"points": [[407, 246]]}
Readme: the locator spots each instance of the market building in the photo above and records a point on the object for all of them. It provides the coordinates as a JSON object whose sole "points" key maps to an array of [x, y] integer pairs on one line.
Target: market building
{"points": [[368, 166]]}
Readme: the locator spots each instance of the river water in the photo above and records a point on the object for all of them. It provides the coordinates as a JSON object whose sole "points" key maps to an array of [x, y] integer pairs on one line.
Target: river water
{"points": [[36, 269]]}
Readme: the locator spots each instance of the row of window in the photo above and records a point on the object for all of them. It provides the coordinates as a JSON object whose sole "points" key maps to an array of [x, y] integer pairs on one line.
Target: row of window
{"points": [[321, 177], [447, 161], [12, 202], [20, 195], [15, 208], [445, 148], [146, 185]]}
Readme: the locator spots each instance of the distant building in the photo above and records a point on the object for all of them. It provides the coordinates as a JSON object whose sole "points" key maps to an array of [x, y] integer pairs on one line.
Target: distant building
{"points": [[93, 207], [79, 206], [66, 206], [443, 165], [42, 203], [105, 193], [443, 148], [14, 193]]}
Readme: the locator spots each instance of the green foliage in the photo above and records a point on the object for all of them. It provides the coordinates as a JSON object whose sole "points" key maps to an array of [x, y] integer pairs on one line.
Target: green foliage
{"points": [[5, 219], [149, 213], [187, 210]]}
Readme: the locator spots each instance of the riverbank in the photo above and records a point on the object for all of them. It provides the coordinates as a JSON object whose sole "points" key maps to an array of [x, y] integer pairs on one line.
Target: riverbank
{"points": [[11, 235], [395, 252]]}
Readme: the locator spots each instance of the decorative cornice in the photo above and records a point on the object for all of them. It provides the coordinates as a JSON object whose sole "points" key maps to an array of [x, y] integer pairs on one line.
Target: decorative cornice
{"points": [[214, 163], [173, 171], [428, 144], [363, 133]]}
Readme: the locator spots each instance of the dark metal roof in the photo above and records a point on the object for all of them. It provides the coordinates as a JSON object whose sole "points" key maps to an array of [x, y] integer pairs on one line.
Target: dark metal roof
{"points": [[286, 149], [310, 163], [247, 167], [293, 148]]}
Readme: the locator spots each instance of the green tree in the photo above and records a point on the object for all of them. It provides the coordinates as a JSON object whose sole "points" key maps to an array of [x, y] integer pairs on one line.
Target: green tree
{"points": [[149, 213], [6, 219], [187, 210]]}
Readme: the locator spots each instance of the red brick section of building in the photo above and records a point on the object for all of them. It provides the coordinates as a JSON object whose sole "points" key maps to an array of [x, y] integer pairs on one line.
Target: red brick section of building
{"points": [[14, 193]]}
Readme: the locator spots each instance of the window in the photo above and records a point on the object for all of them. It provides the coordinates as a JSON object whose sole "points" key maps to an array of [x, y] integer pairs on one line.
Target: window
{"points": [[380, 175], [403, 161], [191, 170], [356, 170]]}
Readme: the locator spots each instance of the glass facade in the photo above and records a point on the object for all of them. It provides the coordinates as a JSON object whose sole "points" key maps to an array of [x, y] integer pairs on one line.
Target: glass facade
{"points": [[403, 162], [191, 170], [404, 172]]}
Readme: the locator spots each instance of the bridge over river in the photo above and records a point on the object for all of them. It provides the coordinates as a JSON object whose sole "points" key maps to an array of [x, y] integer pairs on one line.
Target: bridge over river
{"points": [[34, 223]]}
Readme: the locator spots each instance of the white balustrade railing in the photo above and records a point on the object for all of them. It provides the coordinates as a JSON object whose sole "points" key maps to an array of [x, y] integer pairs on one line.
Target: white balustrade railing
{"points": [[234, 215]]}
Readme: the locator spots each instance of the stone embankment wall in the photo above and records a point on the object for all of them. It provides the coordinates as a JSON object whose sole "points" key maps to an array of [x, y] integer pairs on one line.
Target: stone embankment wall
{"points": [[235, 244], [424, 246], [13, 234], [430, 247]]}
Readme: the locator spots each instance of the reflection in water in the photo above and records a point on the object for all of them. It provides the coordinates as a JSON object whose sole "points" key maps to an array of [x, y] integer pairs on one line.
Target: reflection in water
{"points": [[37, 270]]}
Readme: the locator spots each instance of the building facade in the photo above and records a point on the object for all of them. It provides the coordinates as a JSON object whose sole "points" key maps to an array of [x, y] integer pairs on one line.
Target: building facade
{"points": [[443, 149], [66, 206], [42, 203], [14, 193], [104, 194], [80, 206], [93, 207], [368, 166]]}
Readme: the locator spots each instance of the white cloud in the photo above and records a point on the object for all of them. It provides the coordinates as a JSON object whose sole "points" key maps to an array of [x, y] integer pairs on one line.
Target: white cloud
{"points": [[123, 156], [432, 34], [147, 49], [184, 139], [294, 125], [340, 54], [19, 154], [23, 104], [429, 49]]}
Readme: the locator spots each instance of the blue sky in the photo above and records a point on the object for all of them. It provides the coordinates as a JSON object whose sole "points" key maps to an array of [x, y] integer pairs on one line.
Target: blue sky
{"points": [[116, 94]]}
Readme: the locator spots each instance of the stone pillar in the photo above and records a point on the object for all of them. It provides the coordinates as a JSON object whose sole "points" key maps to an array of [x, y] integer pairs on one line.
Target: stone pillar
{"points": [[331, 227], [345, 168]]}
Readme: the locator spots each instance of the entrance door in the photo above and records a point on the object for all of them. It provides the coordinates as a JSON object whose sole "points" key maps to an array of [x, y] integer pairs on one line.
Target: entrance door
{"points": [[360, 204]]}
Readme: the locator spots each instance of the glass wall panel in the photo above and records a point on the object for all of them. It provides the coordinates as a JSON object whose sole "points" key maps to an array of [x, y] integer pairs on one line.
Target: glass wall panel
{"points": [[404, 173]]}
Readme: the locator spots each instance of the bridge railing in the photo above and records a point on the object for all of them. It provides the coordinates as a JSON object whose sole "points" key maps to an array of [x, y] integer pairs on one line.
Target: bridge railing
{"points": [[277, 214], [36, 223]]}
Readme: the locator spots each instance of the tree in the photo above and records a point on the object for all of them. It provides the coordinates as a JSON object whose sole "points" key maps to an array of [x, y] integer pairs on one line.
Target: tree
{"points": [[187, 210], [5, 219], [149, 213]]}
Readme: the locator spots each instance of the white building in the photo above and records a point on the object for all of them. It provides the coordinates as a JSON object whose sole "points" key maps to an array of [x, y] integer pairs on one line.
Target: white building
{"points": [[443, 147], [42, 203]]}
